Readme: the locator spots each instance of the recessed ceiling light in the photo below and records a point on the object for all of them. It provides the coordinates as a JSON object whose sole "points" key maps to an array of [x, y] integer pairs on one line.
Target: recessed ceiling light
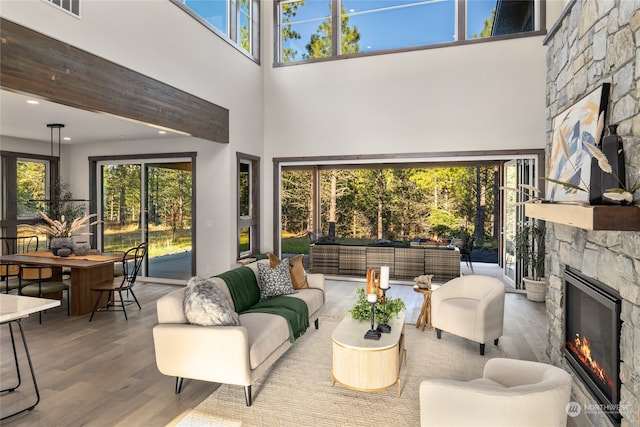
{"points": [[66, 138], [33, 101], [162, 132]]}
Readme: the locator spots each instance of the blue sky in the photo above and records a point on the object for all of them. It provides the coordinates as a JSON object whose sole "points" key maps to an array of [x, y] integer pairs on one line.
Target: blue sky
{"points": [[423, 21]]}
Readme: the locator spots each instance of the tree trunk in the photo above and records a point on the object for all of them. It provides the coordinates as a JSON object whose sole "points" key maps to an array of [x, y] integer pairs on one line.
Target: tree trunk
{"points": [[380, 202], [332, 205], [496, 203], [480, 206]]}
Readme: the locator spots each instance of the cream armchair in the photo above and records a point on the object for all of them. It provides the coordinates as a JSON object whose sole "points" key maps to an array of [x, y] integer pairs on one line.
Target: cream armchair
{"points": [[510, 393], [471, 307]]}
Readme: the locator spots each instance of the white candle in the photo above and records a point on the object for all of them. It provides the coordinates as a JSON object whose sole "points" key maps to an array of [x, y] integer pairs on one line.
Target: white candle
{"points": [[372, 298], [384, 277]]}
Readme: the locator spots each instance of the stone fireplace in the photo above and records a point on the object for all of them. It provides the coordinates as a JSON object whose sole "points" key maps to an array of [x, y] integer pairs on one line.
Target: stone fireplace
{"points": [[597, 42]]}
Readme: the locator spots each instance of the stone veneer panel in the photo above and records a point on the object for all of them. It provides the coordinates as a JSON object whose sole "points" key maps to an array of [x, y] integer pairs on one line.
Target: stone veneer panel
{"points": [[595, 42]]}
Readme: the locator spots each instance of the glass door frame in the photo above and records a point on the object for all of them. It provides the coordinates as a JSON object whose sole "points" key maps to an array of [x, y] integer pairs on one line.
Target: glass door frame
{"points": [[95, 182], [527, 172]]}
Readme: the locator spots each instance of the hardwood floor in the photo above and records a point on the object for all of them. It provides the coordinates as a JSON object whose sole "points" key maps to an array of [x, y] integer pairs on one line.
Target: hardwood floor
{"points": [[103, 373]]}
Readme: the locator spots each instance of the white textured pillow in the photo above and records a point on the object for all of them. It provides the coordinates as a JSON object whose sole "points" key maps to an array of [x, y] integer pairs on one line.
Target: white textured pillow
{"points": [[205, 304], [275, 281]]}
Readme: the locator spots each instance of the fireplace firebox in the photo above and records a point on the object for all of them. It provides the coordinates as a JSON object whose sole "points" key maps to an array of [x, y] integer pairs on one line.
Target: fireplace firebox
{"points": [[592, 338]]}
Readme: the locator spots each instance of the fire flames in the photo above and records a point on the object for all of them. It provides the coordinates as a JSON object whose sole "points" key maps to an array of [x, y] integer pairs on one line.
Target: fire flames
{"points": [[581, 348]]}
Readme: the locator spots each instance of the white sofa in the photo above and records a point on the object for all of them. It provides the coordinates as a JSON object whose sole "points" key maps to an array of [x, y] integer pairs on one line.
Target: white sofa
{"points": [[471, 307], [226, 354], [510, 393]]}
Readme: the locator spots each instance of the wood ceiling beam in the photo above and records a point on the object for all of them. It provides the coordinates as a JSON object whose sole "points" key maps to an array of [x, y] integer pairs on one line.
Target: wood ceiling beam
{"points": [[33, 63]]}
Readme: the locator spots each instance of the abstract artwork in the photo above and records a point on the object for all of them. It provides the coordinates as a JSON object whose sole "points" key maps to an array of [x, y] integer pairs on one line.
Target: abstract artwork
{"points": [[576, 126]]}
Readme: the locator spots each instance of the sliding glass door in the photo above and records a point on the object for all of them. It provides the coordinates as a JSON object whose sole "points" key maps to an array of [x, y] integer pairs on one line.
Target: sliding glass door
{"points": [[149, 202], [516, 173]]}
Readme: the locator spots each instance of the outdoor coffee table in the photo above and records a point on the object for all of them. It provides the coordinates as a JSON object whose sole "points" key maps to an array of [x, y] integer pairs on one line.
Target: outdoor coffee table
{"points": [[367, 365]]}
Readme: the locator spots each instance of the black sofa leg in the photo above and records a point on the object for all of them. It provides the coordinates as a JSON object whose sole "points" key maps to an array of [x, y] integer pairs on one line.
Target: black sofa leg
{"points": [[247, 394], [316, 323], [438, 333], [481, 349], [178, 384], [495, 342]]}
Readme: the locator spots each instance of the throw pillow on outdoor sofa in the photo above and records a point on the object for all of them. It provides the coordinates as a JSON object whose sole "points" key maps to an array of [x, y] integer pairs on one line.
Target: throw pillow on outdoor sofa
{"points": [[296, 270], [275, 281], [205, 304]]}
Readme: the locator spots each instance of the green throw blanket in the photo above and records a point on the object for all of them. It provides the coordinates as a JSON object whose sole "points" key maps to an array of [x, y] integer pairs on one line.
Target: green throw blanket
{"points": [[294, 310], [243, 287], [245, 293]]}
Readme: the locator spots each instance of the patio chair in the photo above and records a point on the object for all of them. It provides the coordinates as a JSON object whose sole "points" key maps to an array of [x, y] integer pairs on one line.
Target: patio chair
{"points": [[465, 251]]}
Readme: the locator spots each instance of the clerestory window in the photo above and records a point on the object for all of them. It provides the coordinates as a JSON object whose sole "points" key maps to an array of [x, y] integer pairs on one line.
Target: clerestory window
{"points": [[71, 6], [237, 21], [313, 29]]}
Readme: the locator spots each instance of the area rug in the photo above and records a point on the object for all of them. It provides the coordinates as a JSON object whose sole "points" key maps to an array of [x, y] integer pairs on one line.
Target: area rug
{"points": [[297, 390]]}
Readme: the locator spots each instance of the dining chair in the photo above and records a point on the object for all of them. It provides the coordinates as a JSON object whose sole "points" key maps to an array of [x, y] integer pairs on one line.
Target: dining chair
{"points": [[9, 277], [36, 281], [19, 245], [131, 264]]}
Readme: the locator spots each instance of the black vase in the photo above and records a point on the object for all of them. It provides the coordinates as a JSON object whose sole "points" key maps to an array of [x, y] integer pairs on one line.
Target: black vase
{"points": [[613, 150], [595, 184]]}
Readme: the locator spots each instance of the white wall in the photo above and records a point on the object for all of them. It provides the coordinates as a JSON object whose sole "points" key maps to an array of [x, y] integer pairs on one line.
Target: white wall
{"points": [[483, 96], [159, 40], [20, 145]]}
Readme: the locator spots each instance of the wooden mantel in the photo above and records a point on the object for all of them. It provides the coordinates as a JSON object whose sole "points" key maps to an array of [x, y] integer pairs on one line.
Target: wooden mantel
{"points": [[602, 217]]}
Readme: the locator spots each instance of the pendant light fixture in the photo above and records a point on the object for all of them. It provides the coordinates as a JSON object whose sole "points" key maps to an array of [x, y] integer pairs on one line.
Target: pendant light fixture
{"points": [[53, 126]]}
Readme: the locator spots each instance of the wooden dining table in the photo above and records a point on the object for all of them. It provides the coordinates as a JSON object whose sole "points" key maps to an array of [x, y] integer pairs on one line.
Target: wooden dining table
{"points": [[86, 271]]}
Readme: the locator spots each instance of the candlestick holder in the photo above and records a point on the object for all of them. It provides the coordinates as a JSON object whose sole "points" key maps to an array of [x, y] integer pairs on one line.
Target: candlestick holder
{"points": [[372, 334], [383, 326]]}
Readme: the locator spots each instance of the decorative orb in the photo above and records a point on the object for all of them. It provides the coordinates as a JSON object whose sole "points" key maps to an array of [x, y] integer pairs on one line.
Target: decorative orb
{"points": [[64, 252]]}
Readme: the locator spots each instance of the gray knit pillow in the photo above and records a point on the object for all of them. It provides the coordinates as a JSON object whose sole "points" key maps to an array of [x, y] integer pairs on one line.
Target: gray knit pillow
{"points": [[206, 304], [275, 281]]}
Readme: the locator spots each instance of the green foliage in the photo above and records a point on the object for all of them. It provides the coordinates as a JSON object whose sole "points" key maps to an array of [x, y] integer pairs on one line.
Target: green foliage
{"points": [[295, 245], [530, 249], [361, 310], [63, 203], [31, 185], [320, 44], [393, 204], [488, 26], [289, 10]]}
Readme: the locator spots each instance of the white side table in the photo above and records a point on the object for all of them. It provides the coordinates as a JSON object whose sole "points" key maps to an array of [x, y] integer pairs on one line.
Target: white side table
{"points": [[14, 308]]}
